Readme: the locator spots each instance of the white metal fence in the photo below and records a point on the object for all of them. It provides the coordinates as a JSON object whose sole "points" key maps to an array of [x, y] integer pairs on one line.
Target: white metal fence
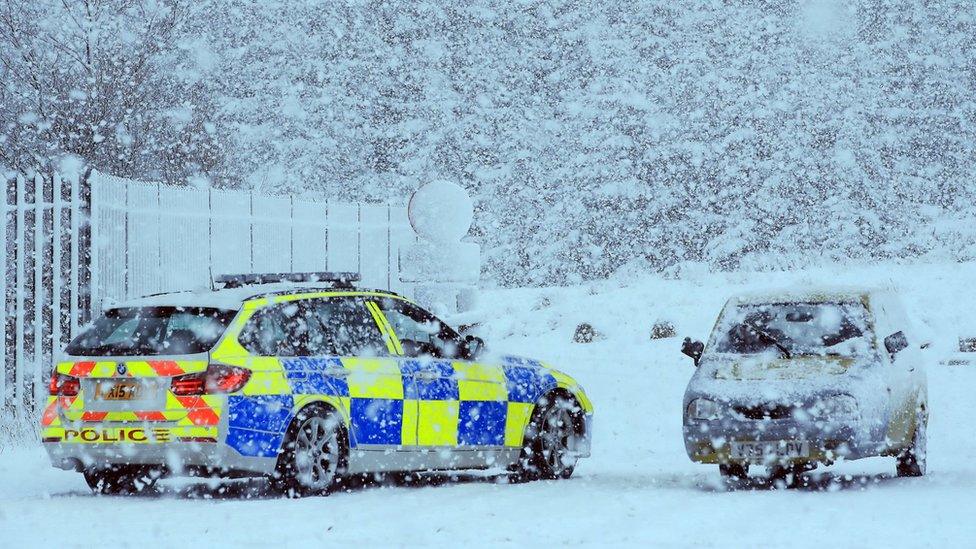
{"points": [[72, 245]]}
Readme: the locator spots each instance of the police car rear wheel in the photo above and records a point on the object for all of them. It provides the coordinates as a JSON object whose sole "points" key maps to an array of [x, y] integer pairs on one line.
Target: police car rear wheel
{"points": [[550, 442], [119, 479], [312, 456]]}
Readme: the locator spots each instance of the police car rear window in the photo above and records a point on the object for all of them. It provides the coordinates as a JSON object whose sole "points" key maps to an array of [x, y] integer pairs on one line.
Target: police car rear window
{"points": [[152, 331]]}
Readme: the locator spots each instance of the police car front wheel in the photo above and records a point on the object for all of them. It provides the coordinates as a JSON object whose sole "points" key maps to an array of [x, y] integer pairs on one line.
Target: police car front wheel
{"points": [[550, 449], [312, 454]]}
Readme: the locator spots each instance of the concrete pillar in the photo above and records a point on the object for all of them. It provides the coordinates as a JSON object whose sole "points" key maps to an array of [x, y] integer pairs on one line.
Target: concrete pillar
{"points": [[444, 269]]}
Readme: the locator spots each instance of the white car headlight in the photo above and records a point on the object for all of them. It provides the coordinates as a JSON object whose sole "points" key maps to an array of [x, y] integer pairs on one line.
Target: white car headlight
{"points": [[836, 407], [702, 408]]}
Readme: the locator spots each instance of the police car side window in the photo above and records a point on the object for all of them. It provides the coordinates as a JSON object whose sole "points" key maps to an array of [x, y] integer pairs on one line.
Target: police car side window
{"points": [[287, 329], [348, 328], [420, 333]]}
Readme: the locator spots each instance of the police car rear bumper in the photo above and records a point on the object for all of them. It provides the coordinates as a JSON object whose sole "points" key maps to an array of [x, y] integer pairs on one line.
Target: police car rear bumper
{"points": [[170, 458]]}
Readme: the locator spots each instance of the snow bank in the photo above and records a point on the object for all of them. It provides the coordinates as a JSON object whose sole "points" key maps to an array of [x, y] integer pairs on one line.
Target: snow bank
{"points": [[638, 488]]}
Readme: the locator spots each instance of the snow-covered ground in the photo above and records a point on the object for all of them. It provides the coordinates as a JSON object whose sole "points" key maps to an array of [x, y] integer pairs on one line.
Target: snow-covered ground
{"points": [[638, 488]]}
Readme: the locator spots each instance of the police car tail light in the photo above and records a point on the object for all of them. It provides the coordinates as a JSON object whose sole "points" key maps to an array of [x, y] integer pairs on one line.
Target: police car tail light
{"points": [[226, 379], [189, 384], [217, 379], [63, 385]]}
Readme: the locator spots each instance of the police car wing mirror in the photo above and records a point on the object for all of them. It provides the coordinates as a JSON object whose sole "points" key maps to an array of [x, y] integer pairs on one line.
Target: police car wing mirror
{"points": [[895, 343], [472, 346], [693, 349]]}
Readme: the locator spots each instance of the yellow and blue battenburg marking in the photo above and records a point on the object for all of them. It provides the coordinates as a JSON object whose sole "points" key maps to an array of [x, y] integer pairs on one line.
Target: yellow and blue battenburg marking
{"points": [[388, 404], [526, 379], [257, 424]]}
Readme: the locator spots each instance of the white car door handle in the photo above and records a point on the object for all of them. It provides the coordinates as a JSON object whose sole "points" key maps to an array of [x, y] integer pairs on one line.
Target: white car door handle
{"points": [[337, 372], [426, 376]]}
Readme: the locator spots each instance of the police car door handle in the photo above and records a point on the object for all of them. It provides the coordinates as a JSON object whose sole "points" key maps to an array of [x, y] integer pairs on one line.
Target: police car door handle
{"points": [[337, 372], [426, 376]]}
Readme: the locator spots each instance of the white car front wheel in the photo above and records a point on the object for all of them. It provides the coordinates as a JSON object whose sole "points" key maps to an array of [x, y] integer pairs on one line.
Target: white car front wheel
{"points": [[912, 462]]}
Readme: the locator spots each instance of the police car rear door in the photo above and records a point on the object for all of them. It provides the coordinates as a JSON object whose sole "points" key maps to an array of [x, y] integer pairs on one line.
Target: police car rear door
{"points": [[372, 378]]}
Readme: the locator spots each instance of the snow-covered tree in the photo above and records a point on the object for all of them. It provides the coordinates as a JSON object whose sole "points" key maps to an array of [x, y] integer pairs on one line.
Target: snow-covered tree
{"points": [[107, 81]]}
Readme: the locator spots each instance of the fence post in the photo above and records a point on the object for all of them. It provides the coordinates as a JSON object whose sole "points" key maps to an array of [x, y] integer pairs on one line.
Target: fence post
{"points": [[291, 232], [250, 225], [359, 237], [19, 303], [94, 278], [389, 247], [125, 245], [73, 292], [3, 294], [38, 355], [210, 223], [57, 264]]}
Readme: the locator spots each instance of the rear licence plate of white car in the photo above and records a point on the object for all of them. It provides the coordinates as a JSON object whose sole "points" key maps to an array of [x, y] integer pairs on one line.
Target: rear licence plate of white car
{"points": [[776, 449]]}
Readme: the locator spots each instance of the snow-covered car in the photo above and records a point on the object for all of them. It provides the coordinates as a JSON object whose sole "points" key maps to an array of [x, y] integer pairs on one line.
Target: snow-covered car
{"points": [[302, 383], [792, 379]]}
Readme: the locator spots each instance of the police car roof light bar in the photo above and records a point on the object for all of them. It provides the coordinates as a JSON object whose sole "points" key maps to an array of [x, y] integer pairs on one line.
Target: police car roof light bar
{"points": [[336, 279]]}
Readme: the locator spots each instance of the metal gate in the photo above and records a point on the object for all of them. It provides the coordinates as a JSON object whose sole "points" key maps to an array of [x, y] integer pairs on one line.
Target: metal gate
{"points": [[75, 244]]}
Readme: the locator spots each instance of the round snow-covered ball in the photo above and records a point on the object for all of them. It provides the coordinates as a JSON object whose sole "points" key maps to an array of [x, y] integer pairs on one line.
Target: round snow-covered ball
{"points": [[441, 211]]}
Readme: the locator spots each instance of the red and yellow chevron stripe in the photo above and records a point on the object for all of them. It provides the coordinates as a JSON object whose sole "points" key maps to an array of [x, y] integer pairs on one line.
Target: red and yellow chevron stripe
{"points": [[190, 416]]}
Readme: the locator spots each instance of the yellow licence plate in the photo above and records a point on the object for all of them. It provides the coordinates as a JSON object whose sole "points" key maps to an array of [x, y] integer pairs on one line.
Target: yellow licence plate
{"points": [[119, 390]]}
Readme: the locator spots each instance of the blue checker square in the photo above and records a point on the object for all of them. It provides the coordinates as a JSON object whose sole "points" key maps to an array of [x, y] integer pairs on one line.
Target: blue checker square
{"points": [[309, 376], [376, 420], [443, 388], [257, 423], [482, 423], [526, 382], [262, 413], [254, 443]]}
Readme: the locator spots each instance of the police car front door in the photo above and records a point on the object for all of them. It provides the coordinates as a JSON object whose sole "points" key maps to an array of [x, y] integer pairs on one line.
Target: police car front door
{"points": [[461, 404], [428, 374]]}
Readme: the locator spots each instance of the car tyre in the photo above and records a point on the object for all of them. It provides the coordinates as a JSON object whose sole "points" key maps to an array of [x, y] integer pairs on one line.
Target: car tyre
{"points": [[119, 479], [313, 454], [735, 471], [790, 475], [551, 438], [912, 462]]}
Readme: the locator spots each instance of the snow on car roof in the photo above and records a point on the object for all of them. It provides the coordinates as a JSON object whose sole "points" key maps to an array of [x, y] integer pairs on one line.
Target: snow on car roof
{"points": [[226, 298], [808, 295]]}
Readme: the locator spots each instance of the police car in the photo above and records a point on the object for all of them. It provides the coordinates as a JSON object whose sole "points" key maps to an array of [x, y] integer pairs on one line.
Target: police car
{"points": [[303, 378]]}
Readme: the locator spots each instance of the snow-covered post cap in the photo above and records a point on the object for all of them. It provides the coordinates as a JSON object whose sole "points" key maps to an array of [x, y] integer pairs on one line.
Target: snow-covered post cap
{"points": [[441, 212], [444, 269]]}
